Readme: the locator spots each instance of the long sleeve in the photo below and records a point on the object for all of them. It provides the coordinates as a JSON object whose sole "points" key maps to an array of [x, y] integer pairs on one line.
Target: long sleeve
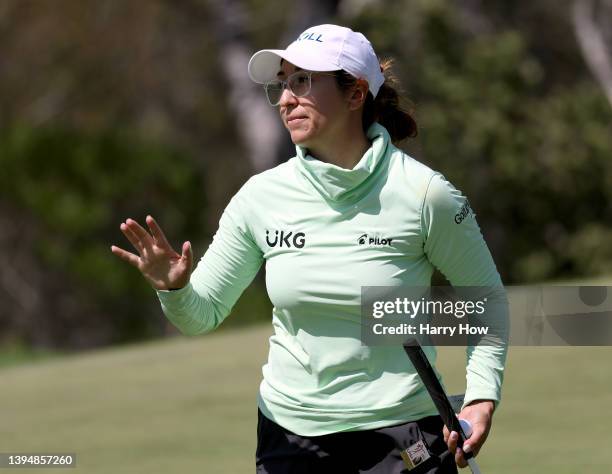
{"points": [[455, 245], [226, 269]]}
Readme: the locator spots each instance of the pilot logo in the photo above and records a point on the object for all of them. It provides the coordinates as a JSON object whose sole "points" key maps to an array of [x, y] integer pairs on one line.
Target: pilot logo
{"points": [[286, 239], [373, 241]]}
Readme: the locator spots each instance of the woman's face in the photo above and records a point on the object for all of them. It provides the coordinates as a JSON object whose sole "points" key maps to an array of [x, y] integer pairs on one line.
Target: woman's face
{"points": [[314, 120]]}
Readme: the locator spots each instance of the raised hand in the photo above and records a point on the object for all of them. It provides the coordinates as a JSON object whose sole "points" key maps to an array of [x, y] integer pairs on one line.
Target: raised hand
{"points": [[158, 262]]}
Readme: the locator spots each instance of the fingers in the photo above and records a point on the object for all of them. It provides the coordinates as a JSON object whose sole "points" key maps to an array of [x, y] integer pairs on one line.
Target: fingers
{"points": [[479, 414], [459, 459], [126, 256], [187, 254], [132, 237], [451, 441], [472, 444], [475, 442], [143, 236], [157, 232]]}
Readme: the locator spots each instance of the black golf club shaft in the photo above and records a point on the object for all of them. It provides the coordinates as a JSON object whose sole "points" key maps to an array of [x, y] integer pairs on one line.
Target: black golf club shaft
{"points": [[433, 386]]}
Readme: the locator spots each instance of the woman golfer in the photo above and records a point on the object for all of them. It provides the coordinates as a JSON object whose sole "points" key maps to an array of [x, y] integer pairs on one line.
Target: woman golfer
{"points": [[349, 210]]}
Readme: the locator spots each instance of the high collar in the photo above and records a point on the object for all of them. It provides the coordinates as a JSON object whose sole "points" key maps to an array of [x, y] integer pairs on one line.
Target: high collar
{"points": [[338, 184]]}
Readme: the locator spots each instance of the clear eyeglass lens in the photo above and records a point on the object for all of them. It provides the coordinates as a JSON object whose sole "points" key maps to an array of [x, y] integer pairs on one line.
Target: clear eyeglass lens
{"points": [[274, 91], [298, 83]]}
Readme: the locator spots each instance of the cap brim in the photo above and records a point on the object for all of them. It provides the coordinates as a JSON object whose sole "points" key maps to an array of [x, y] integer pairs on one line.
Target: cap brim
{"points": [[265, 64]]}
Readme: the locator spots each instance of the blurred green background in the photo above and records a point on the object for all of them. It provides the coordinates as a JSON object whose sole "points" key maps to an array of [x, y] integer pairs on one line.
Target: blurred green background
{"points": [[113, 109]]}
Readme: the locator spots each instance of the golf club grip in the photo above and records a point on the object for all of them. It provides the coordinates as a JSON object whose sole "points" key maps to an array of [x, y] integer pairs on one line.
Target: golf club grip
{"points": [[436, 392]]}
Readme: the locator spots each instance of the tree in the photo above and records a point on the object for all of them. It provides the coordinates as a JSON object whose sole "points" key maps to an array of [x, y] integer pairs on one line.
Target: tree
{"points": [[592, 19]]}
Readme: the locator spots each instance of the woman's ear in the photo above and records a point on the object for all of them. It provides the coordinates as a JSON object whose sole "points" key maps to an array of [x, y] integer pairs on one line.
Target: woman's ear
{"points": [[358, 95]]}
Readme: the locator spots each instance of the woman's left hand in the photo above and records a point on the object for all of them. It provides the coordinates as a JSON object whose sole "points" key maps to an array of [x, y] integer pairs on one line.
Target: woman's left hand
{"points": [[479, 413]]}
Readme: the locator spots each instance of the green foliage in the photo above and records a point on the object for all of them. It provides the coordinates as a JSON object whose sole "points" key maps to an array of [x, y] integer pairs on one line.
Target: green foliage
{"points": [[79, 187], [533, 158], [503, 108]]}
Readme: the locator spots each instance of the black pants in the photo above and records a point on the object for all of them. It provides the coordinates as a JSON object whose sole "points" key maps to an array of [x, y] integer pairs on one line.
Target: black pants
{"points": [[377, 451]]}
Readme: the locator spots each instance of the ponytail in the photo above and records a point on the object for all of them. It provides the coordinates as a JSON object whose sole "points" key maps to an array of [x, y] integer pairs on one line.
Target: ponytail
{"points": [[390, 108]]}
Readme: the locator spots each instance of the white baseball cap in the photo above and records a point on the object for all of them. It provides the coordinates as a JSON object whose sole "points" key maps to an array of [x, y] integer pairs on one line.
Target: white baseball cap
{"points": [[322, 48]]}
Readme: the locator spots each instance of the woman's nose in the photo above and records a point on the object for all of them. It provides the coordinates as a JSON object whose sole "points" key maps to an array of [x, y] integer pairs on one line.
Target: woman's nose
{"points": [[287, 97]]}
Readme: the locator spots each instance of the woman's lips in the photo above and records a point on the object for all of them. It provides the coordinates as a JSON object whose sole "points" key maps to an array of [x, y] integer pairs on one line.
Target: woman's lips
{"points": [[295, 120]]}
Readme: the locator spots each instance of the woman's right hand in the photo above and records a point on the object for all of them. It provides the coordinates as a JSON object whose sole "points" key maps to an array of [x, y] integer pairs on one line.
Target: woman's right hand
{"points": [[158, 262]]}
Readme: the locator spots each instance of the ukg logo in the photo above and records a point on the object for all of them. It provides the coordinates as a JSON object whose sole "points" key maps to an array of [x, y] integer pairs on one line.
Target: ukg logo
{"points": [[283, 238]]}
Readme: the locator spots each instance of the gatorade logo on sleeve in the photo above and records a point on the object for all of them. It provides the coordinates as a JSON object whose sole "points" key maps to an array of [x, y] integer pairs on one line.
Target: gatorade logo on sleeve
{"points": [[465, 211]]}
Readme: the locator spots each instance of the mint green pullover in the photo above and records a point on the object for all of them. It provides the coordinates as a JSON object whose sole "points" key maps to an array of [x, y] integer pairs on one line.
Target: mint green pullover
{"points": [[304, 219]]}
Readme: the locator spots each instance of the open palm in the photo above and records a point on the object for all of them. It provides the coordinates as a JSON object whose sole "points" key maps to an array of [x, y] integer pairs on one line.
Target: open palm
{"points": [[159, 263]]}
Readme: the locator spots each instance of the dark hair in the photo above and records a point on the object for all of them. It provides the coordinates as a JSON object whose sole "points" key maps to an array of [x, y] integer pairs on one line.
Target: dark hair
{"points": [[390, 108]]}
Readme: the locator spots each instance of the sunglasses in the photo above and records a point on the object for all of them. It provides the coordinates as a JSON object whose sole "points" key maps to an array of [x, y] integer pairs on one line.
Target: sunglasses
{"points": [[298, 83]]}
